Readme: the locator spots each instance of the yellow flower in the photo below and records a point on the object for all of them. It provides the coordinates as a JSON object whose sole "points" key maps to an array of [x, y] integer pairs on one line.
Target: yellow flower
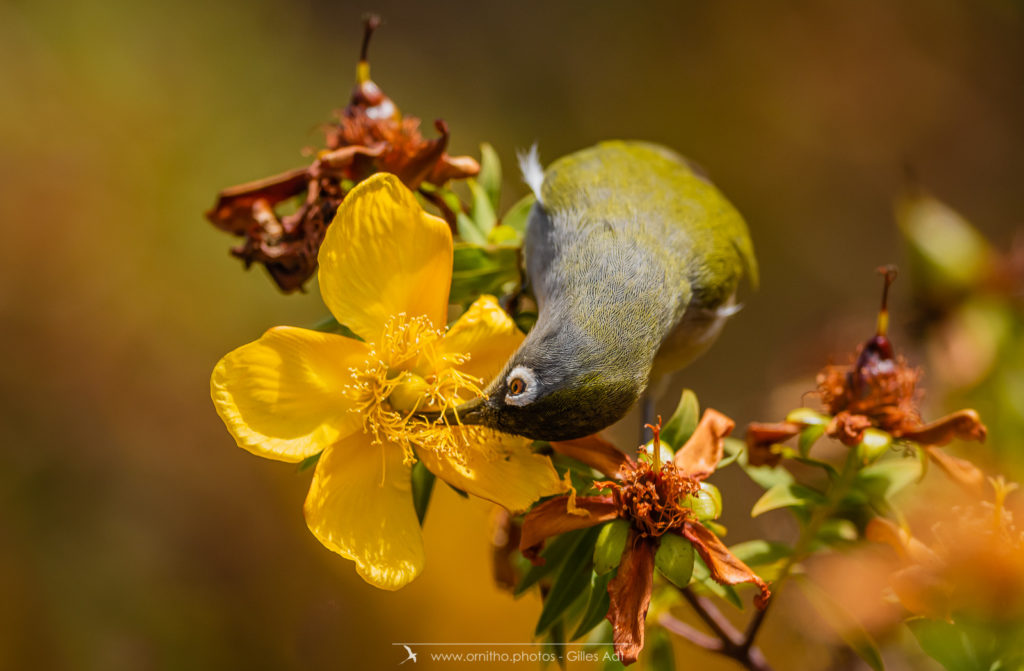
{"points": [[385, 272]]}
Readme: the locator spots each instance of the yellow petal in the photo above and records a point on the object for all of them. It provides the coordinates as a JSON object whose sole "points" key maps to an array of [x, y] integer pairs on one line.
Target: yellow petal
{"points": [[281, 396], [499, 468], [487, 333], [384, 255], [360, 506]]}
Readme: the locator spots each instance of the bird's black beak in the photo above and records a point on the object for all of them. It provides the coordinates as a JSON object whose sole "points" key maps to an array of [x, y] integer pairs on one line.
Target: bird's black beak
{"points": [[470, 412]]}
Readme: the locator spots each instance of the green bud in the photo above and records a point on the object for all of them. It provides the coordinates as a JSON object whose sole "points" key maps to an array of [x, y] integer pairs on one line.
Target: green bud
{"points": [[874, 444], [674, 559], [665, 453], [707, 503], [610, 544], [808, 417]]}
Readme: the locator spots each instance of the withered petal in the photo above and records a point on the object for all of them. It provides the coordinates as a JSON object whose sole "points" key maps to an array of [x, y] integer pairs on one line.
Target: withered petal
{"points": [[594, 451], [725, 567], [418, 166], [761, 436], [233, 210], [908, 548], [453, 167], [848, 428], [630, 597], [338, 159], [504, 541], [964, 424], [961, 471], [923, 592], [552, 518], [699, 457]]}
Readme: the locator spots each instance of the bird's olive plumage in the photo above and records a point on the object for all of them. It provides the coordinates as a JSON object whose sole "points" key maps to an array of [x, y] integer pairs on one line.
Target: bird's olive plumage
{"points": [[634, 259]]}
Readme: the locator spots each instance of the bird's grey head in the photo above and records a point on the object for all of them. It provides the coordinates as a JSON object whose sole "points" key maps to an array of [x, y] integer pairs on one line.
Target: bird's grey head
{"points": [[557, 386]]}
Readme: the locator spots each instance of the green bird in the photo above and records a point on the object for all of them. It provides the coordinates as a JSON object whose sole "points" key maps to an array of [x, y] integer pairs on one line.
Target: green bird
{"points": [[635, 259]]}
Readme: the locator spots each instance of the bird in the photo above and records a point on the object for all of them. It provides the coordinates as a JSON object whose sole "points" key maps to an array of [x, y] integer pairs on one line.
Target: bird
{"points": [[634, 258], [412, 655]]}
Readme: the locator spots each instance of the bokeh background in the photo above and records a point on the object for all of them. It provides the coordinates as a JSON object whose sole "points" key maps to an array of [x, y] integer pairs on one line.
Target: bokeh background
{"points": [[135, 535]]}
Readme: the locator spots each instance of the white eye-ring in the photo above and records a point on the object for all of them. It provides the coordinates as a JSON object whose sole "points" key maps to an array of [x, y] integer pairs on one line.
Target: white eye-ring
{"points": [[521, 386]]}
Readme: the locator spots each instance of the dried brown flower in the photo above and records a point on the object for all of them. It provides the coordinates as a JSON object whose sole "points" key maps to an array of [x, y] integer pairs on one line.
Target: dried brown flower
{"points": [[650, 496], [370, 136], [880, 390]]}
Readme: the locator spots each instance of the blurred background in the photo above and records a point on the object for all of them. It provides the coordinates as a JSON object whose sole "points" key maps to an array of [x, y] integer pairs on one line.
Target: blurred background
{"points": [[135, 535]]}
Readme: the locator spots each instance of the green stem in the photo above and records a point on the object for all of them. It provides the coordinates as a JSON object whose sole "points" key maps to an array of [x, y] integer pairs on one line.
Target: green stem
{"points": [[833, 498]]}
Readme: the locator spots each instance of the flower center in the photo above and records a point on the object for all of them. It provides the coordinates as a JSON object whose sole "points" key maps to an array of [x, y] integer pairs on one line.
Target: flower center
{"points": [[407, 372], [652, 499]]}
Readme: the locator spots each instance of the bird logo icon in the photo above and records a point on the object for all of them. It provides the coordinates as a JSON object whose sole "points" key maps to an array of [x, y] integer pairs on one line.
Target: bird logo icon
{"points": [[412, 655]]}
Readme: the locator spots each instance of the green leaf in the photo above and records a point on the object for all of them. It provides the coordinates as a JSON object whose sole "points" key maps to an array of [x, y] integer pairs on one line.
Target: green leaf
{"points": [[785, 496], [683, 421], [733, 448], [504, 236], [553, 554], [469, 230], [444, 193], [482, 270], [851, 631], [309, 462], [518, 215], [808, 436], [422, 487], [947, 253], [837, 531], [948, 644], [611, 541], [597, 604], [573, 577], [767, 558], [882, 480], [789, 453], [455, 489], [674, 559], [556, 636], [702, 575], [483, 211], [766, 476], [659, 651], [490, 174], [760, 552]]}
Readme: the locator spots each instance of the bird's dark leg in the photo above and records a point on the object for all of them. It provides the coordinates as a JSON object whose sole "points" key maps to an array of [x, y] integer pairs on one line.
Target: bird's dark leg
{"points": [[649, 417]]}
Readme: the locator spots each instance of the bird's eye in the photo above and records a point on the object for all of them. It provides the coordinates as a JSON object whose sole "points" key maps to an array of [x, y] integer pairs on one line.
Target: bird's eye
{"points": [[521, 386]]}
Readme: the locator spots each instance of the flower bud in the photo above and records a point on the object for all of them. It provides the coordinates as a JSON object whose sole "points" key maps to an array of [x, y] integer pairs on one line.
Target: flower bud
{"points": [[873, 444], [707, 503], [610, 544], [674, 559]]}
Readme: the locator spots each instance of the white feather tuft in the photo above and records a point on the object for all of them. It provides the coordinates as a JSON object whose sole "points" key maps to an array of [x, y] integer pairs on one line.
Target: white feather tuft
{"points": [[533, 173], [727, 311]]}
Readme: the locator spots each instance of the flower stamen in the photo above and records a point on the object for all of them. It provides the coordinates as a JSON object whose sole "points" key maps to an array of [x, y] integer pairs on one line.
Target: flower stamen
{"points": [[406, 373], [652, 499]]}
